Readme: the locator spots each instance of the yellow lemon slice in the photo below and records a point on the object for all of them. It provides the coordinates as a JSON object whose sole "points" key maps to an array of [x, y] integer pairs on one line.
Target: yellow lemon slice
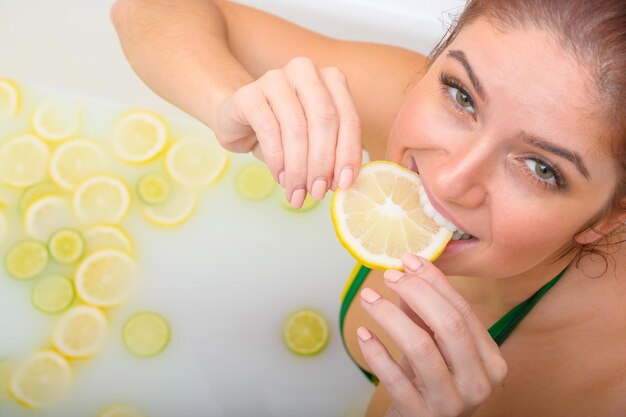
{"points": [[80, 332], [53, 294], [105, 236], [102, 199], [35, 192], [23, 161], [380, 217], [106, 278], [255, 182], [139, 137], [47, 214], [74, 161], [175, 211], [66, 246], [56, 122], [42, 380], [9, 98], [153, 189], [26, 259], [121, 410], [196, 162], [146, 334], [306, 332]]}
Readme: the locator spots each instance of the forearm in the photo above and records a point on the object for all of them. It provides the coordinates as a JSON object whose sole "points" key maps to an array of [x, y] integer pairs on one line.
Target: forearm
{"points": [[180, 50]]}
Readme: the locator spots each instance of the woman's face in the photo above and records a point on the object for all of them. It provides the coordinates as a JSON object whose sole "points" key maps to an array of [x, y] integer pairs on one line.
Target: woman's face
{"points": [[505, 130]]}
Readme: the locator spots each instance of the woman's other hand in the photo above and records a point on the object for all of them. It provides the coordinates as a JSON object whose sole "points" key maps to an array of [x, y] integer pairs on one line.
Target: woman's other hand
{"points": [[449, 364]]}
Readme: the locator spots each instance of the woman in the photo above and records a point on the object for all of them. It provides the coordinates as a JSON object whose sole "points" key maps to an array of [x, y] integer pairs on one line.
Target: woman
{"points": [[517, 127]]}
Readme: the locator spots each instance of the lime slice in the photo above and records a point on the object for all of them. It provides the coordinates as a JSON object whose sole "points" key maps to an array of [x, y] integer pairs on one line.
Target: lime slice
{"points": [[75, 161], [146, 334], [53, 294], [26, 259], [196, 163], [66, 246], [23, 161], [306, 332], [139, 137], [102, 199], [153, 189], [121, 410], [42, 380], [80, 332], [9, 98], [255, 182], [55, 122]]}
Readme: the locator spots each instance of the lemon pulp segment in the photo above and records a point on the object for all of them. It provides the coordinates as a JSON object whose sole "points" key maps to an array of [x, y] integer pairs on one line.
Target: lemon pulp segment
{"points": [[80, 332], [255, 181], [53, 294], [146, 334], [306, 332], [139, 137], [153, 189], [23, 161], [380, 217], [66, 246], [195, 162], [26, 259]]}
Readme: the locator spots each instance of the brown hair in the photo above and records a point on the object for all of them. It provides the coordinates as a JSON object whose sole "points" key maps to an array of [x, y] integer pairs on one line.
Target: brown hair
{"points": [[595, 32]]}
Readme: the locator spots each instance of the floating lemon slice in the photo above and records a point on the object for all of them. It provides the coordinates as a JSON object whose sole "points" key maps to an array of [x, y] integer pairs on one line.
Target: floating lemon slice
{"points": [[139, 137], [153, 189], [104, 236], [196, 162], [66, 246], [9, 98], [146, 334], [53, 294], [102, 199], [176, 210], [47, 214], [35, 192], [80, 332], [255, 182], [56, 122], [42, 380], [23, 161], [26, 259], [74, 161], [380, 218], [306, 332], [121, 410], [106, 278]]}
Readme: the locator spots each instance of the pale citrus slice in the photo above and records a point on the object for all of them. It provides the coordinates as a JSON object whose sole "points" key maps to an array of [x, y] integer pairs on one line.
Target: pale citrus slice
{"points": [[79, 333], [55, 121], [42, 380], [23, 160], [74, 161], [196, 163], [309, 203], [153, 189], [176, 210], [255, 182], [47, 214], [306, 332], [53, 294], [9, 98], [35, 192], [121, 410], [102, 199], [106, 278], [146, 334], [139, 137], [380, 218], [106, 236], [26, 259], [66, 246]]}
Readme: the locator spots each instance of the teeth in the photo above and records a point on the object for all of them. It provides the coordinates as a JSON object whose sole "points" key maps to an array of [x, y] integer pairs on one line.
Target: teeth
{"points": [[439, 219]]}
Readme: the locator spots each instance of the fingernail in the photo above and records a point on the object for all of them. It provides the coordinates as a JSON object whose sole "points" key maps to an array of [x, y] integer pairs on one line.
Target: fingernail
{"points": [[363, 334], [411, 262], [393, 275], [318, 189], [345, 178], [281, 178], [297, 198], [370, 295]]}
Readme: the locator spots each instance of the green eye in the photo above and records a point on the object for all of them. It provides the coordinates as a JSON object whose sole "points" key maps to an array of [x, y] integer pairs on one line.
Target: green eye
{"points": [[543, 171], [463, 99]]}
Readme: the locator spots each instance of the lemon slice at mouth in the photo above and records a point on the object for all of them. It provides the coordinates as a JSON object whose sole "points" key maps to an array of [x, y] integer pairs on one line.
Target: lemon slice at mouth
{"points": [[306, 332], [66, 246], [23, 161], [146, 334], [42, 380], [106, 236], [9, 98], [121, 410], [53, 294], [196, 163], [139, 137], [102, 199], [26, 259], [255, 182], [74, 161], [80, 332], [380, 217], [55, 122]]}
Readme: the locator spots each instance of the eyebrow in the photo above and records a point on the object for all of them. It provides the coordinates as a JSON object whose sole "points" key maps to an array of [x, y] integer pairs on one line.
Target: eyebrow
{"points": [[460, 56], [571, 156]]}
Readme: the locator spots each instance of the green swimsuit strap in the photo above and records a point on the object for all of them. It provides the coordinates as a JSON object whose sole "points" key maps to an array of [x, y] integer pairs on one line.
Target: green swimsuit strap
{"points": [[499, 331]]}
